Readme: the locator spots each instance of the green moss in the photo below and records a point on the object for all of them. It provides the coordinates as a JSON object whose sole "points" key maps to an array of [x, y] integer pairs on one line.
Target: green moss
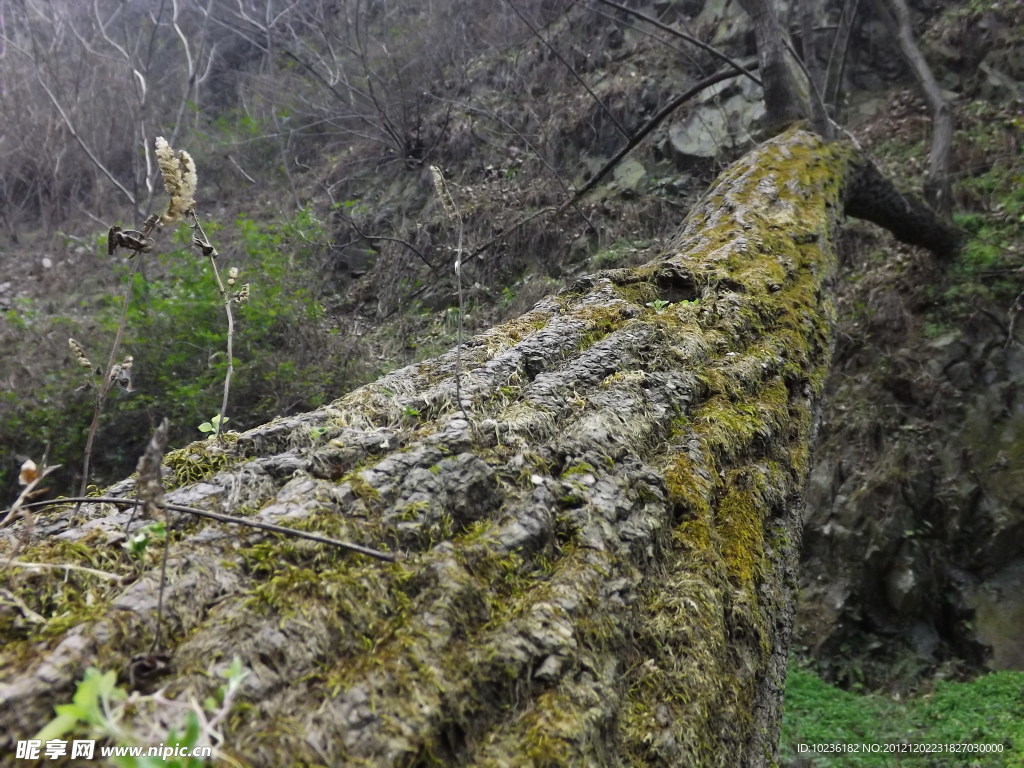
{"points": [[412, 511], [729, 427], [601, 320], [198, 461], [681, 681], [288, 590], [758, 333], [740, 516], [690, 485], [596, 629], [475, 533], [547, 728], [509, 334], [361, 487], [533, 463], [63, 597], [583, 468], [639, 292]]}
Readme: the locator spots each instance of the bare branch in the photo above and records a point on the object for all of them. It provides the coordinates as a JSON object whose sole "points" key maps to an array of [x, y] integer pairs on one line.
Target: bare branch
{"points": [[938, 191], [837, 59], [64, 567], [243, 521], [651, 124], [684, 36], [81, 142], [568, 66]]}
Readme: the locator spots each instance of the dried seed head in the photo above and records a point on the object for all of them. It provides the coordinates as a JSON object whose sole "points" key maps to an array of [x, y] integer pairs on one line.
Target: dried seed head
{"points": [[180, 180], [441, 187], [121, 374], [79, 353], [189, 177]]}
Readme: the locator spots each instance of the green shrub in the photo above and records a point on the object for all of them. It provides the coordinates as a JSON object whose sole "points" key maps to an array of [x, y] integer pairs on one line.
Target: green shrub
{"points": [[286, 360]]}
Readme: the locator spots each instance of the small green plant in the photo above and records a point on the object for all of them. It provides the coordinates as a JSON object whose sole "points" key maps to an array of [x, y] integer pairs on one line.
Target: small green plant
{"points": [[658, 305], [213, 426], [411, 412], [508, 296], [100, 710], [136, 546]]}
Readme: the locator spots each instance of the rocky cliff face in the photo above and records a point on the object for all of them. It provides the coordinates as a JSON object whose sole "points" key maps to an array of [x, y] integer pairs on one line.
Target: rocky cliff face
{"points": [[913, 557], [914, 513]]}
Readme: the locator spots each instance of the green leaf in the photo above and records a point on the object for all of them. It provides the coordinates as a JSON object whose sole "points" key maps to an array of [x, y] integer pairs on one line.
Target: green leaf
{"points": [[96, 685], [65, 722]]}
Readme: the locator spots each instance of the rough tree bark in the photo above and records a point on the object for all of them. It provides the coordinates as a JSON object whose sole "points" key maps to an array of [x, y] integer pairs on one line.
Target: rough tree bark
{"points": [[595, 568]]}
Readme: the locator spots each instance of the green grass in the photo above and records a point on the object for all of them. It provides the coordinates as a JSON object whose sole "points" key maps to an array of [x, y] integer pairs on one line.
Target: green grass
{"points": [[988, 710]]}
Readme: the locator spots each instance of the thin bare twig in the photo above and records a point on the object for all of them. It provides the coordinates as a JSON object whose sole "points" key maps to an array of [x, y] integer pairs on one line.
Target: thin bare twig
{"points": [[81, 142], [400, 241], [104, 389], [149, 489], [1014, 312], [202, 242], [837, 59], [241, 170], [358, 548], [455, 215], [149, 486], [639, 136], [938, 191], [684, 36], [513, 227], [568, 66], [65, 567], [823, 125]]}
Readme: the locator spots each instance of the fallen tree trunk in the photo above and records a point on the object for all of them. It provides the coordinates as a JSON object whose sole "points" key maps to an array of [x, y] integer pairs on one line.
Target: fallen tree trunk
{"points": [[595, 563]]}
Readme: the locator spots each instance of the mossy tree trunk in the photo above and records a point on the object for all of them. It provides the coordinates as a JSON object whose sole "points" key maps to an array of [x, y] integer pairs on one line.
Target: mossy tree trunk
{"points": [[597, 552]]}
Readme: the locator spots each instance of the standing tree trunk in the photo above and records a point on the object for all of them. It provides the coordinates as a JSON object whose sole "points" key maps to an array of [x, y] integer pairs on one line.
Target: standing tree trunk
{"points": [[938, 187], [787, 96], [595, 568]]}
